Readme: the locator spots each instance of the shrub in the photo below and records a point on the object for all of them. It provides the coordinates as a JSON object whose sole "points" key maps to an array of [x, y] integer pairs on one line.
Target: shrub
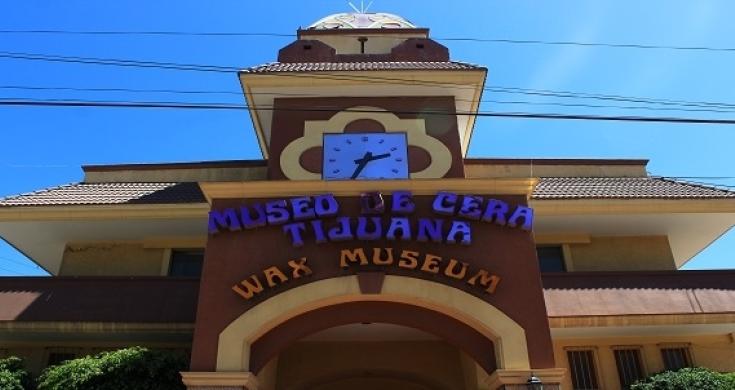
{"points": [[127, 369], [687, 379], [13, 375]]}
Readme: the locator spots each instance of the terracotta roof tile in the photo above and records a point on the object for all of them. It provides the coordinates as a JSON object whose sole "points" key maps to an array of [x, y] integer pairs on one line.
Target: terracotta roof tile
{"points": [[623, 187], [277, 67], [108, 194], [639, 293], [185, 192]]}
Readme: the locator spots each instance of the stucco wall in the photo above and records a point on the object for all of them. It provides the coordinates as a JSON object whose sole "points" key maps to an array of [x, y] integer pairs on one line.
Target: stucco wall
{"points": [[716, 352], [622, 254], [111, 259]]}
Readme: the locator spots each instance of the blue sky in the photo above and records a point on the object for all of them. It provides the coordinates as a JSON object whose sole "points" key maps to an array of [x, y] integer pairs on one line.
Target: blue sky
{"points": [[44, 147]]}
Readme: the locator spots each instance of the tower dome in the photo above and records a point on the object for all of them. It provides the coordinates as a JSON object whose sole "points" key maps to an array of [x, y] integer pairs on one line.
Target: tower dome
{"points": [[354, 20]]}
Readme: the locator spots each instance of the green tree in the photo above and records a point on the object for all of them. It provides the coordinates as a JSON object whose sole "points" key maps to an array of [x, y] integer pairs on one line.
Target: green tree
{"points": [[13, 375], [126, 369], [687, 379]]}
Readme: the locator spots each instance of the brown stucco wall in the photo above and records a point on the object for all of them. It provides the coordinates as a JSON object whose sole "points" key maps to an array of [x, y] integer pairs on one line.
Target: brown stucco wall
{"points": [[233, 256], [111, 259], [640, 253], [434, 362]]}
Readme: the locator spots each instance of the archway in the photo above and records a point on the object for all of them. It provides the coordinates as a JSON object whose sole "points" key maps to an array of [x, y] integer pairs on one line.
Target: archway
{"points": [[462, 336], [248, 340]]}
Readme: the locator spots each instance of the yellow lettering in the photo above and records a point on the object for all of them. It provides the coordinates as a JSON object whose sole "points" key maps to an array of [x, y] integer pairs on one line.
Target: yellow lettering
{"points": [[409, 260], [250, 288], [352, 256], [431, 263], [299, 268], [490, 282], [450, 271], [272, 273], [377, 258]]}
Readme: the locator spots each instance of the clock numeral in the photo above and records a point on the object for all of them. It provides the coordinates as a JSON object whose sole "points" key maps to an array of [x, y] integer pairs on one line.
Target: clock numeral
{"points": [[399, 159], [381, 141], [394, 170], [332, 160], [335, 171], [336, 149], [349, 142], [393, 149], [364, 139]]}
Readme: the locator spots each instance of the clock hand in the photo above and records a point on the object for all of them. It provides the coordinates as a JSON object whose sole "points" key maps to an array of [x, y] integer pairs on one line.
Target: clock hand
{"points": [[380, 156], [361, 163]]}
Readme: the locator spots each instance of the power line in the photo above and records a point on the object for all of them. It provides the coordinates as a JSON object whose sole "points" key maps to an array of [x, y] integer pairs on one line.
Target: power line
{"points": [[448, 39], [283, 94], [163, 33], [226, 106], [102, 89], [332, 76]]}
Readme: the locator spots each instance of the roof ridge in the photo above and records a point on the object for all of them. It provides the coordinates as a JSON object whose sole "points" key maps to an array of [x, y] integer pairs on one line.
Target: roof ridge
{"points": [[708, 186]]}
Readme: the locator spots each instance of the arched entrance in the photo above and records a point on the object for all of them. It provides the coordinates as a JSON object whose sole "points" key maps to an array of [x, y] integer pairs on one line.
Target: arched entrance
{"points": [[462, 320], [446, 328], [369, 356]]}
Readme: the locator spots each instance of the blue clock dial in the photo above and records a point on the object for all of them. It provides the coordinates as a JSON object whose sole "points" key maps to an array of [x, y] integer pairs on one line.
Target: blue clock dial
{"points": [[365, 156]]}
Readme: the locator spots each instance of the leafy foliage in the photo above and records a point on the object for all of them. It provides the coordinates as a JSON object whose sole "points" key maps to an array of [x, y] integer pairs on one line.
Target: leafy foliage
{"points": [[686, 379], [126, 369], [13, 375]]}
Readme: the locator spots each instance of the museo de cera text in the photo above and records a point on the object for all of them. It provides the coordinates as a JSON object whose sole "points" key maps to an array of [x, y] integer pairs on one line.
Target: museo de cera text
{"points": [[318, 217]]}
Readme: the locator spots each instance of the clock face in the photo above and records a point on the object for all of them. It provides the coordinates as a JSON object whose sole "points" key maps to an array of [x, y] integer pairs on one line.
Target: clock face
{"points": [[365, 156]]}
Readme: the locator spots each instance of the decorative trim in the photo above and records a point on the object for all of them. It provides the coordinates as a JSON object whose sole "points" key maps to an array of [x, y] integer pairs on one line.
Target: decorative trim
{"points": [[214, 380], [642, 320], [415, 129], [257, 189]]}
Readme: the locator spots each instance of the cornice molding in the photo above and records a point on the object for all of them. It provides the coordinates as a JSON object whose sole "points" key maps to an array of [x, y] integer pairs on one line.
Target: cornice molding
{"points": [[262, 189]]}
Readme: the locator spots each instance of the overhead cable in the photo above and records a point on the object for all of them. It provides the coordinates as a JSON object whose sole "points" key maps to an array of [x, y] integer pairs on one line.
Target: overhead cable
{"points": [[226, 106]]}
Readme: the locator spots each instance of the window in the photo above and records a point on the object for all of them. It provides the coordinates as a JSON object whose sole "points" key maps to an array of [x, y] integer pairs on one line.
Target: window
{"points": [[582, 369], [186, 263], [551, 258], [630, 368], [676, 358]]}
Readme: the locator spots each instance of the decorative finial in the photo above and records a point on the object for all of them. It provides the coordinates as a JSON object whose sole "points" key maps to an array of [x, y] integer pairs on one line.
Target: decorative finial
{"points": [[363, 9]]}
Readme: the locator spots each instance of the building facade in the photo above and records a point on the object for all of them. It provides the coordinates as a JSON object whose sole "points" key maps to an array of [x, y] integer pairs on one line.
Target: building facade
{"points": [[366, 250]]}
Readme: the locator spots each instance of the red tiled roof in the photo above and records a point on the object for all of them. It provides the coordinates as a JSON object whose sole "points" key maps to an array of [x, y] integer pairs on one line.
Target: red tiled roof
{"points": [[623, 187], [189, 192], [277, 67], [109, 194], [637, 293]]}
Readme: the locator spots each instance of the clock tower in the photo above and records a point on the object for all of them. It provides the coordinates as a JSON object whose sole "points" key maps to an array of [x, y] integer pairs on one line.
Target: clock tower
{"points": [[364, 226], [364, 97]]}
